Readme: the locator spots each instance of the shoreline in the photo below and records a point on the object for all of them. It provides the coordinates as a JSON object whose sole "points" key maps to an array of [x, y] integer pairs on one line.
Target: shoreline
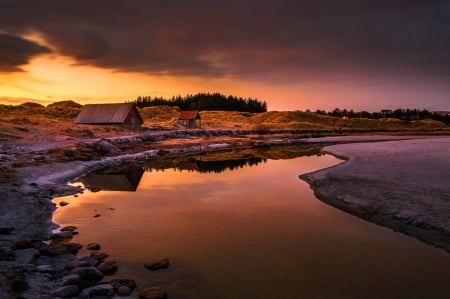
{"points": [[27, 201], [402, 185]]}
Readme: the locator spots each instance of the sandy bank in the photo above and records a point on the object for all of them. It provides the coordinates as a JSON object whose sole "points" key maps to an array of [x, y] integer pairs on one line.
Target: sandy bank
{"points": [[404, 185]]}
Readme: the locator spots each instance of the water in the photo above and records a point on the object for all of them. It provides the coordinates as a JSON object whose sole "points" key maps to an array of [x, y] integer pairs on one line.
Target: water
{"points": [[245, 231]]}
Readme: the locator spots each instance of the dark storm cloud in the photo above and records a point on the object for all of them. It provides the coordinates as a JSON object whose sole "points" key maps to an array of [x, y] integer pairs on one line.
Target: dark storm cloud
{"points": [[277, 40], [16, 52]]}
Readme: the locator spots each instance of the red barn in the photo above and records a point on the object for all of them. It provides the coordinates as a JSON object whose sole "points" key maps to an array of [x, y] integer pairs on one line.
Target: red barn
{"points": [[118, 114]]}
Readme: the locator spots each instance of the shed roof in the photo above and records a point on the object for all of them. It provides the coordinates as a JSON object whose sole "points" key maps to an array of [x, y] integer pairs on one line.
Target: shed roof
{"points": [[190, 114], [105, 113]]}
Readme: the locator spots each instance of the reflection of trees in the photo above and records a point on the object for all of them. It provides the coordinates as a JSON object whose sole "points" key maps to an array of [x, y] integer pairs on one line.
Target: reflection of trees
{"points": [[206, 166], [219, 166]]}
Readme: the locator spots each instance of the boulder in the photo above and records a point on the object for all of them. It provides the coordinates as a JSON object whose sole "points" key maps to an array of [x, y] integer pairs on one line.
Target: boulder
{"points": [[101, 290], [62, 235], [55, 249], [108, 267], [71, 279], [129, 283], [63, 203], [45, 269], [153, 293], [88, 273], [67, 291], [157, 265], [93, 246], [124, 291], [99, 256], [69, 228]]}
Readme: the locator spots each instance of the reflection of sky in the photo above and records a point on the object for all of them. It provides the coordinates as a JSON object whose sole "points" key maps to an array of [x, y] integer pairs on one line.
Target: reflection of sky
{"points": [[255, 232]]}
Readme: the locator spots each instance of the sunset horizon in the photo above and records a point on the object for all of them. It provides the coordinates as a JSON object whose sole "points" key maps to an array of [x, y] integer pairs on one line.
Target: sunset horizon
{"points": [[295, 55]]}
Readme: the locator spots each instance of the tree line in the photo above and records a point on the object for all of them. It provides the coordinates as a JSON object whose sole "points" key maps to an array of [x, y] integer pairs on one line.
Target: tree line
{"points": [[404, 114], [205, 101]]}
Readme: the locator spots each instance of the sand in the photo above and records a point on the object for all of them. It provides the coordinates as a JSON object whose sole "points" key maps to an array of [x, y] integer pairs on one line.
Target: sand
{"points": [[403, 185]]}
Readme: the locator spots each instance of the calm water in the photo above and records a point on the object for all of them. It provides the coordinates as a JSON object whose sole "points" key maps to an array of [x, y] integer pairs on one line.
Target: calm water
{"points": [[251, 232]]}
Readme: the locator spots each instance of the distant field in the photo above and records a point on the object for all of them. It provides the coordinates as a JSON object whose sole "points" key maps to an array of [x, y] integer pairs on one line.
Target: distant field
{"points": [[33, 122]]}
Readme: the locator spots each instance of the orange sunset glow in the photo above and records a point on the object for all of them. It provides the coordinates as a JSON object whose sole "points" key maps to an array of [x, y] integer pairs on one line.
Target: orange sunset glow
{"points": [[295, 55]]}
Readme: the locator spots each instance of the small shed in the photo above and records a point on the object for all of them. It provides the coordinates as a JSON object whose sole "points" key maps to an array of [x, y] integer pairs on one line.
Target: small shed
{"points": [[190, 119], [124, 114]]}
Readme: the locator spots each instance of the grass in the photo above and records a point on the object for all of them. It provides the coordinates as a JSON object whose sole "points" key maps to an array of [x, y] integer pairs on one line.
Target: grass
{"points": [[34, 122]]}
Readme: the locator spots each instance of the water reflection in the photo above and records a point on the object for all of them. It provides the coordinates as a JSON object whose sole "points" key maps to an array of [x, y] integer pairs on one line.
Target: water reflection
{"points": [[254, 232], [114, 179]]}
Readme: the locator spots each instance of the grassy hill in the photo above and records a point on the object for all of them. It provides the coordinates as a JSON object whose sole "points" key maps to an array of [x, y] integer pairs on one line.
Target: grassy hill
{"points": [[34, 122]]}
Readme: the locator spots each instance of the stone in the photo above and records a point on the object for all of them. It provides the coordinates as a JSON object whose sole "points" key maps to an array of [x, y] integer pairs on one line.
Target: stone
{"points": [[29, 268], [45, 269], [99, 256], [63, 203], [88, 273], [89, 261], [101, 290], [157, 265], [93, 246], [62, 235], [124, 291], [96, 215], [22, 244], [108, 267], [70, 228], [153, 293], [67, 291], [129, 283], [55, 249], [71, 279]]}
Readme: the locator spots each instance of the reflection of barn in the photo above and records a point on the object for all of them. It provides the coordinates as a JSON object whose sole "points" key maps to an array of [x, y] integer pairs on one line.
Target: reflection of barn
{"points": [[190, 119], [126, 179], [101, 114]]}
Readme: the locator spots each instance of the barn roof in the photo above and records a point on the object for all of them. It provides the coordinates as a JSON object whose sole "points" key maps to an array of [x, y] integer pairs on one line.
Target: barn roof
{"points": [[105, 113], [191, 114]]}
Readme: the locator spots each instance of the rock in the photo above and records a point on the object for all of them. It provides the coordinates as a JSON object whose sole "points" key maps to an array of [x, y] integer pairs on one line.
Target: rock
{"points": [[108, 267], [101, 290], [22, 244], [63, 203], [69, 228], [124, 291], [93, 246], [55, 249], [62, 235], [88, 273], [153, 293], [76, 263], [67, 291], [129, 283], [45, 269], [99, 256], [6, 230], [97, 215], [71, 279], [88, 261], [161, 264], [43, 297], [105, 145]]}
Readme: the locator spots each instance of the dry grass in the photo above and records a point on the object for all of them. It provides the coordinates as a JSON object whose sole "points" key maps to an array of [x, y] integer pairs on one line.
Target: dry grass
{"points": [[33, 122]]}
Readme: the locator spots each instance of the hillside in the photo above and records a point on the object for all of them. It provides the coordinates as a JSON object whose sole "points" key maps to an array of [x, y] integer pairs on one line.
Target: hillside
{"points": [[32, 122]]}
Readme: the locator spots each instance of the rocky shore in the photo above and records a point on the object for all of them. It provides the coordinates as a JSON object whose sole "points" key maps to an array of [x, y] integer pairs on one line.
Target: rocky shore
{"points": [[403, 185], [37, 263]]}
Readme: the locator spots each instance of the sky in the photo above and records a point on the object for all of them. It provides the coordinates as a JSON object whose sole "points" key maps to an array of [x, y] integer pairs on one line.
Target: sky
{"points": [[293, 54]]}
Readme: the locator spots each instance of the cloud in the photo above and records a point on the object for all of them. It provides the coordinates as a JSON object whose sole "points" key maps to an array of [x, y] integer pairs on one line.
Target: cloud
{"points": [[270, 40], [16, 52]]}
